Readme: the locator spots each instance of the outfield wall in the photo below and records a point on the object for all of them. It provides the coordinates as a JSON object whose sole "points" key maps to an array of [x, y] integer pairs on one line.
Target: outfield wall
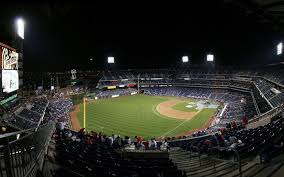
{"points": [[114, 96]]}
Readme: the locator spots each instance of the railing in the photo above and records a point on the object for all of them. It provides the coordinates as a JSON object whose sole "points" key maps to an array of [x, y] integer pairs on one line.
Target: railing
{"points": [[263, 96], [181, 142], [22, 153], [265, 118], [217, 153], [230, 155]]}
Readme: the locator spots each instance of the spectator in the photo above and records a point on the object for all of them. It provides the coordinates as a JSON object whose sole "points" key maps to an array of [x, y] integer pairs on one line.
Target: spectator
{"points": [[234, 125], [153, 144], [135, 141], [245, 120], [127, 140]]}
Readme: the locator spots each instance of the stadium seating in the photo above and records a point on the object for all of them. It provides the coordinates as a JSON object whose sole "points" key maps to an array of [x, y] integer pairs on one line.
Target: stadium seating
{"points": [[235, 110], [58, 110], [88, 155], [220, 150], [108, 93]]}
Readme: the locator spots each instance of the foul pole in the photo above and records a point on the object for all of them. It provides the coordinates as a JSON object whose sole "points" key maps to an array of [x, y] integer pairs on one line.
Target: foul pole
{"points": [[84, 105], [138, 83]]}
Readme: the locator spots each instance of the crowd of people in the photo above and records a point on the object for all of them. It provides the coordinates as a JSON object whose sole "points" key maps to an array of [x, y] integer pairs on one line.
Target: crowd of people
{"points": [[114, 141], [256, 140], [239, 105], [120, 92], [96, 154], [58, 111]]}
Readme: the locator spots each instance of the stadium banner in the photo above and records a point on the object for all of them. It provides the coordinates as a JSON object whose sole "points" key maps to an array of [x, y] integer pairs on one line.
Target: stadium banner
{"points": [[10, 80], [2, 102], [8, 57], [133, 93], [131, 85], [111, 87], [157, 78], [113, 96]]}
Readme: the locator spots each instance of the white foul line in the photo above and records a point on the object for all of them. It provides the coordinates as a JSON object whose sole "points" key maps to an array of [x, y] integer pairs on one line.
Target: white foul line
{"points": [[175, 127]]}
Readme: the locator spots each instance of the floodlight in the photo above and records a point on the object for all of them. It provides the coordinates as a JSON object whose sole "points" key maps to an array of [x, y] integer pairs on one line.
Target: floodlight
{"points": [[20, 25], [110, 59], [210, 57], [185, 59], [279, 48]]}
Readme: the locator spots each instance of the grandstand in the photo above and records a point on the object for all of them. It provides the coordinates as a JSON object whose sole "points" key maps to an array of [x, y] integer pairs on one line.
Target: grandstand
{"points": [[254, 97], [185, 120], [251, 96]]}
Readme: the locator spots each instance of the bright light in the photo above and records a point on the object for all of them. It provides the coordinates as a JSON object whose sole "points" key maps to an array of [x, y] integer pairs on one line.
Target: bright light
{"points": [[210, 57], [10, 80], [91, 59], [279, 48], [185, 59], [20, 25], [110, 59]]}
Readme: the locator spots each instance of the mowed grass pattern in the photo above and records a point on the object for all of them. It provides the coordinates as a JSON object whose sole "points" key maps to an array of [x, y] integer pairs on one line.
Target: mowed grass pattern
{"points": [[137, 115]]}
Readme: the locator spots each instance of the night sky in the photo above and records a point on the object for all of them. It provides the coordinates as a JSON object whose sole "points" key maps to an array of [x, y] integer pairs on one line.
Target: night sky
{"points": [[63, 36]]}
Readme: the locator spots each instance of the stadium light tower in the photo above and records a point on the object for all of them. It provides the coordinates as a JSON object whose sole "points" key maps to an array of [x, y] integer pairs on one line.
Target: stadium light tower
{"points": [[20, 26], [210, 57], [279, 48], [110, 60], [185, 59]]}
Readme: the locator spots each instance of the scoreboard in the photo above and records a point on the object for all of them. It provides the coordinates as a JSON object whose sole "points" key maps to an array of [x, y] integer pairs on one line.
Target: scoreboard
{"points": [[9, 68]]}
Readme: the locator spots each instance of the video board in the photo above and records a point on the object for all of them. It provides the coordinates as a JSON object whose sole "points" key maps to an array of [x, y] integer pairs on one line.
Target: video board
{"points": [[9, 68], [10, 80]]}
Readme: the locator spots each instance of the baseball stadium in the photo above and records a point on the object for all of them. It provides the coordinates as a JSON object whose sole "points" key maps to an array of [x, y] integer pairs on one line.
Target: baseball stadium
{"points": [[92, 94]]}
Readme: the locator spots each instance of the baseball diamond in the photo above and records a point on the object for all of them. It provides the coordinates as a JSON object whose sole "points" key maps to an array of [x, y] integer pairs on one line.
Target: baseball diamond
{"points": [[142, 115]]}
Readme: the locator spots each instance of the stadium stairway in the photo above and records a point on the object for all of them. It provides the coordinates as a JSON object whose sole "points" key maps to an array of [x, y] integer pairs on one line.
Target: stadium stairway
{"points": [[201, 166]]}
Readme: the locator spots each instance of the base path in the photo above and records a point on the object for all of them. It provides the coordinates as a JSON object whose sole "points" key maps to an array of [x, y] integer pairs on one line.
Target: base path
{"points": [[165, 108], [74, 119]]}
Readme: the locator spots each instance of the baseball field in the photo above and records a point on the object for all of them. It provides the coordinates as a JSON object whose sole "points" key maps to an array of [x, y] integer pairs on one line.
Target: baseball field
{"points": [[143, 115]]}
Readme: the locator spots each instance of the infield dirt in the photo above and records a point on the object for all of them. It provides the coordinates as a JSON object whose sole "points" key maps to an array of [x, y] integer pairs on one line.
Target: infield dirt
{"points": [[165, 108]]}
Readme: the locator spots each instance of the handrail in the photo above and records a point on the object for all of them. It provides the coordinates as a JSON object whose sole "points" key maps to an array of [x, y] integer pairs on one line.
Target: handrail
{"points": [[236, 154], [15, 133], [33, 145], [263, 96], [192, 138], [273, 111], [255, 103]]}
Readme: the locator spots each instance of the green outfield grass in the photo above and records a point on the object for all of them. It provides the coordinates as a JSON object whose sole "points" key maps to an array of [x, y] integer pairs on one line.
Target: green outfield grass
{"points": [[182, 107], [137, 115]]}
